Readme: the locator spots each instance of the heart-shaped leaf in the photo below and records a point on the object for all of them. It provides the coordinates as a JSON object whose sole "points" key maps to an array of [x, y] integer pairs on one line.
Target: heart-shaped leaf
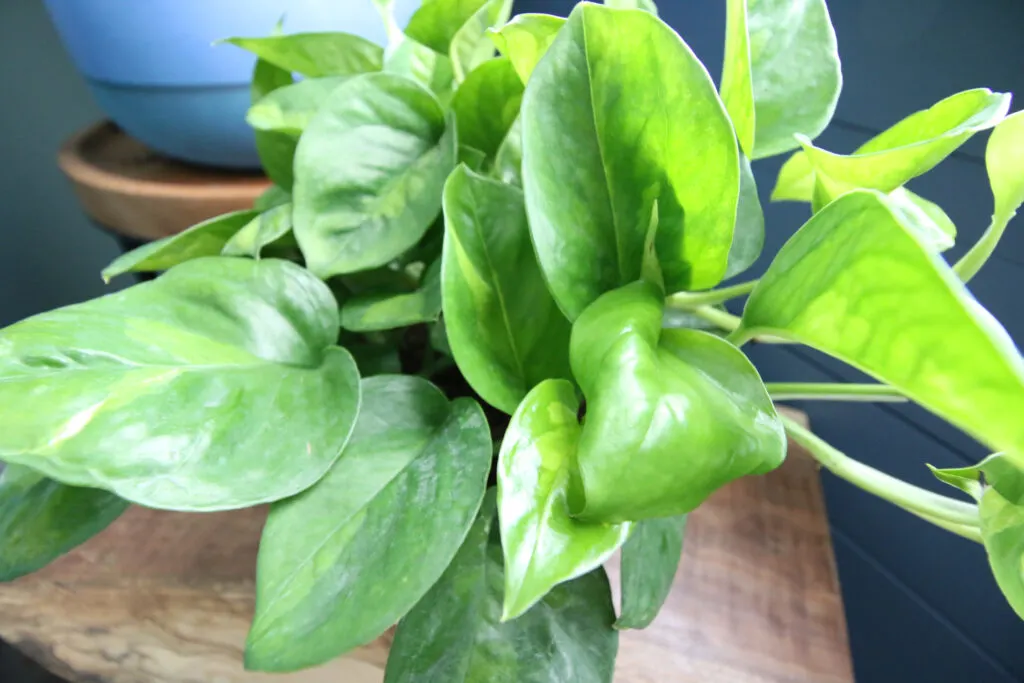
{"points": [[41, 519], [205, 239], [374, 312], [650, 559], [505, 331], [289, 109], [316, 54], [455, 633], [526, 39], [458, 28], [858, 283], [470, 46], [271, 228], [908, 149], [216, 386], [619, 119], [357, 209], [544, 546], [401, 500], [276, 150], [487, 104], [781, 74], [672, 415]]}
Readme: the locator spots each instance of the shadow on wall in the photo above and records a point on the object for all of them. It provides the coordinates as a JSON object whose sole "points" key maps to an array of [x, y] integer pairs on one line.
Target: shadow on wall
{"points": [[50, 255]]}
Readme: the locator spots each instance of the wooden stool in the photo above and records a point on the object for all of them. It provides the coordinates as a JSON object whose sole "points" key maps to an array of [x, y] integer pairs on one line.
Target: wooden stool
{"points": [[167, 597]]}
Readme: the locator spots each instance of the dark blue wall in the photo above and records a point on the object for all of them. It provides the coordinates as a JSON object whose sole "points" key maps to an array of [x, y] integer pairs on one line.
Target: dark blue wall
{"points": [[921, 604]]}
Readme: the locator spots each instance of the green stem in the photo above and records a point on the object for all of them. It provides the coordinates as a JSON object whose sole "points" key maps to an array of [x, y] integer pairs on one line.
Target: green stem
{"points": [[971, 262], [710, 297], [724, 320], [950, 514], [802, 391]]}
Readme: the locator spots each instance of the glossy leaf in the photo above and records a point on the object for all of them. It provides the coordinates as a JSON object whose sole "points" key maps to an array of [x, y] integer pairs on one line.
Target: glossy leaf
{"points": [[748, 235], [390, 311], [543, 545], [356, 208], [646, 5], [216, 386], [796, 182], [41, 519], [526, 39], [272, 227], [781, 74], [471, 47], [672, 415], [454, 634], [857, 283], [505, 331], [1005, 173], [910, 148], [276, 150], [508, 164], [436, 22], [205, 239], [620, 117], [1003, 471], [288, 109], [344, 561], [316, 54], [428, 68], [487, 104], [650, 559]]}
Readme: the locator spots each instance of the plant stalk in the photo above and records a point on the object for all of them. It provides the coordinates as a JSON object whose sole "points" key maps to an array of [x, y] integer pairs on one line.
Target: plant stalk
{"points": [[810, 391], [710, 297], [971, 262], [953, 515]]}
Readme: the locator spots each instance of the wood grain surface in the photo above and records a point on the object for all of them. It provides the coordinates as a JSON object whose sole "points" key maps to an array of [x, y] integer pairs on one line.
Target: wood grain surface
{"points": [[166, 598], [133, 191]]}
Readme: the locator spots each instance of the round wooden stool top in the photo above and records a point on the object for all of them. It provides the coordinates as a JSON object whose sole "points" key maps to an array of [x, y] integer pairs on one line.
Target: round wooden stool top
{"points": [[131, 190]]}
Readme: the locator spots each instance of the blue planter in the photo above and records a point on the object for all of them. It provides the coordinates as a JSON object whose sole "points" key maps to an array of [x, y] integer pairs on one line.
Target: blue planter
{"points": [[153, 68]]}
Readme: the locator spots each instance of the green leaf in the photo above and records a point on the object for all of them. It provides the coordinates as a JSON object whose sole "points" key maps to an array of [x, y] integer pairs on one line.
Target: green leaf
{"points": [[926, 218], [421, 64], [272, 197], [276, 151], [910, 148], [647, 391], [436, 23], [857, 283], [216, 386], [471, 47], [345, 560], [356, 208], [288, 109], [1003, 471], [748, 235], [543, 545], [1002, 530], [508, 164], [505, 331], [487, 104], [454, 634], [205, 239], [526, 39], [781, 74], [650, 559], [473, 158], [1005, 173], [375, 358], [316, 54], [41, 519], [390, 311], [796, 182], [271, 228], [620, 116], [646, 5]]}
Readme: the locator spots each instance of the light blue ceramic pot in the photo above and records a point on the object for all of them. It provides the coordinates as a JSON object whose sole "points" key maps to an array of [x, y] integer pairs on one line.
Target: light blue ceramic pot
{"points": [[153, 68]]}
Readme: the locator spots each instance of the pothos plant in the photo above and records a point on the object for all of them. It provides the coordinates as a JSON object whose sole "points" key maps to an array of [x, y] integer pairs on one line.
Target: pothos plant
{"points": [[473, 340]]}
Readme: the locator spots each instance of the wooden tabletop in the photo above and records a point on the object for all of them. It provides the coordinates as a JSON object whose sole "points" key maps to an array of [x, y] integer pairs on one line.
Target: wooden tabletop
{"points": [[131, 190], [167, 597]]}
